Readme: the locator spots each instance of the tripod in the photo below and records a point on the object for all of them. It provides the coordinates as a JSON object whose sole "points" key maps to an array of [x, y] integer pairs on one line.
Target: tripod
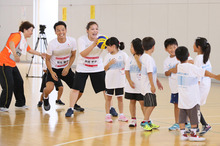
{"points": [[43, 43]]}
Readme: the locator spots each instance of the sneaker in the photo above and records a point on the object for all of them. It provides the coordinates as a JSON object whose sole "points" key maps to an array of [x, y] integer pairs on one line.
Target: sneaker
{"points": [[78, 108], [146, 126], [59, 102], [113, 112], [194, 137], [3, 109], [22, 107], [174, 127], [205, 129], [46, 104], [133, 123], [40, 103], [153, 126], [122, 118], [184, 137], [108, 119], [69, 112]]}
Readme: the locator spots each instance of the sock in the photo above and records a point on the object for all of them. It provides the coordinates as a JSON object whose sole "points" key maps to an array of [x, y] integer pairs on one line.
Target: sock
{"points": [[108, 114], [134, 118], [194, 130], [71, 108], [121, 114], [46, 97], [182, 131]]}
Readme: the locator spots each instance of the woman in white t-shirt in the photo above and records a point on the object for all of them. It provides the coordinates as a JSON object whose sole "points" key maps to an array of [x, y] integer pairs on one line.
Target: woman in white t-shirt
{"points": [[89, 63], [114, 64], [203, 49]]}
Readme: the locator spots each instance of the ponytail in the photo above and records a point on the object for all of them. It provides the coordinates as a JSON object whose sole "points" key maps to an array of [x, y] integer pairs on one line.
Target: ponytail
{"points": [[205, 48], [114, 41], [121, 46], [206, 52]]}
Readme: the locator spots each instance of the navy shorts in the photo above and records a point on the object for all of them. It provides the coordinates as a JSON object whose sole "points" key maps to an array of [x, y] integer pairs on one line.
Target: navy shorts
{"points": [[174, 98]]}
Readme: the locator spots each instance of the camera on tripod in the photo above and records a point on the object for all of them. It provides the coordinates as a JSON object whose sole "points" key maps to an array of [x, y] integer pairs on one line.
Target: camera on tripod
{"points": [[42, 28]]}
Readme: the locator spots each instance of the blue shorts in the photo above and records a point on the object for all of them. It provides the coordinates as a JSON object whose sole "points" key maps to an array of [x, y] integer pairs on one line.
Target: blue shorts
{"points": [[174, 98]]}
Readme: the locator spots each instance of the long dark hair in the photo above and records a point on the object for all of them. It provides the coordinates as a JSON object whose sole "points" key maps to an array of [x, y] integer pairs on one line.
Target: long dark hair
{"points": [[114, 41], [136, 43], [205, 47]]}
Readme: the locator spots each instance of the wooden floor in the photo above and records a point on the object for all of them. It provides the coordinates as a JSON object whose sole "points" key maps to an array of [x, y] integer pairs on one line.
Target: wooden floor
{"points": [[38, 127]]}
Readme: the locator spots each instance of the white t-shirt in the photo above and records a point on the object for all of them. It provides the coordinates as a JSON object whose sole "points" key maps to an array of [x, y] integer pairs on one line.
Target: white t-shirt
{"points": [[93, 61], [148, 66], [61, 52], [167, 65], [115, 75], [205, 82], [135, 75], [188, 88]]}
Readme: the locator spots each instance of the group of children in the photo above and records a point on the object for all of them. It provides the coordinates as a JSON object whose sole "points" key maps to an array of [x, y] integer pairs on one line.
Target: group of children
{"points": [[189, 80]]}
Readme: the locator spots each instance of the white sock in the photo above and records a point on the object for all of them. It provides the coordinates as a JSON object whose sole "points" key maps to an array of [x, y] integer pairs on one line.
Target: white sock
{"points": [[108, 114]]}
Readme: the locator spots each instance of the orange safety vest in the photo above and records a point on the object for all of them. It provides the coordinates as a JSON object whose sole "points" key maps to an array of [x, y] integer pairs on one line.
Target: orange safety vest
{"points": [[6, 56]]}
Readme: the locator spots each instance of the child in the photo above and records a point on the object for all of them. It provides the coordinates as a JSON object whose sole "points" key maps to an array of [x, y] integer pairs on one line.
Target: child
{"points": [[58, 85], [170, 71], [189, 94], [203, 48], [148, 82], [114, 65], [133, 75]]}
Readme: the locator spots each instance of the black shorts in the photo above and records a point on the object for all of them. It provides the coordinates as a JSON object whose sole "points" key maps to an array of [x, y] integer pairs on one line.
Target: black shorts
{"points": [[134, 96], [97, 79], [44, 81], [150, 100], [118, 92], [68, 79]]}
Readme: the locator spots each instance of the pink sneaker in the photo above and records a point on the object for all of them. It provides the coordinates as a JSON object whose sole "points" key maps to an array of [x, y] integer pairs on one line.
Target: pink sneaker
{"points": [[108, 118], [122, 118]]}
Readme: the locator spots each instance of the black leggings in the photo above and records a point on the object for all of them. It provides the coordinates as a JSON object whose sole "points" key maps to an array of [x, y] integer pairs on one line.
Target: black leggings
{"points": [[11, 82]]}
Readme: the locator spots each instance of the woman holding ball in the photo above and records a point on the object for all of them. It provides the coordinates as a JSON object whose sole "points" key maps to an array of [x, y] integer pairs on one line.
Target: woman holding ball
{"points": [[89, 64]]}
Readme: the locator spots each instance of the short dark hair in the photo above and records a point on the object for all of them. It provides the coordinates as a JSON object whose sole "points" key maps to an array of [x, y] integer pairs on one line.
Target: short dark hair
{"points": [[59, 23], [90, 23], [148, 43], [25, 25], [182, 53], [170, 41], [136, 43]]}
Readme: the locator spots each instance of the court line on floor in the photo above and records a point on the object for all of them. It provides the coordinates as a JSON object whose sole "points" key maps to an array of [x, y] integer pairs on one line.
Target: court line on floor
{"points": [[104, 135]]}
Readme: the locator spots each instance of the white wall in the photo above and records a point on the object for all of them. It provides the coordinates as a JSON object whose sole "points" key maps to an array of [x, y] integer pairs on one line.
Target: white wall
{"points": [[128, 19], [12, 12]]}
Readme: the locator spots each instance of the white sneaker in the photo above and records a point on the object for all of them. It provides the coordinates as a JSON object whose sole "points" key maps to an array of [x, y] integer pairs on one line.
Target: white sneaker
{"points": [[194, 137], [22, 107], [133, 123], [184, 137], [3, 109]]}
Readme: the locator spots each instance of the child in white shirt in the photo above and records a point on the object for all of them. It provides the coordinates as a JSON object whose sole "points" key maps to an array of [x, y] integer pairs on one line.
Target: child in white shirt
{"points": [[148, 82], [133, 75], [114, 64], [189, 94], [203, 49]]}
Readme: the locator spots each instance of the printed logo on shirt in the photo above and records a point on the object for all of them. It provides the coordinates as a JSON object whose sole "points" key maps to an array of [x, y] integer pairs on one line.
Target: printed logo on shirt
{"points": [[117, 65], [62, 61], [91, 61]]}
